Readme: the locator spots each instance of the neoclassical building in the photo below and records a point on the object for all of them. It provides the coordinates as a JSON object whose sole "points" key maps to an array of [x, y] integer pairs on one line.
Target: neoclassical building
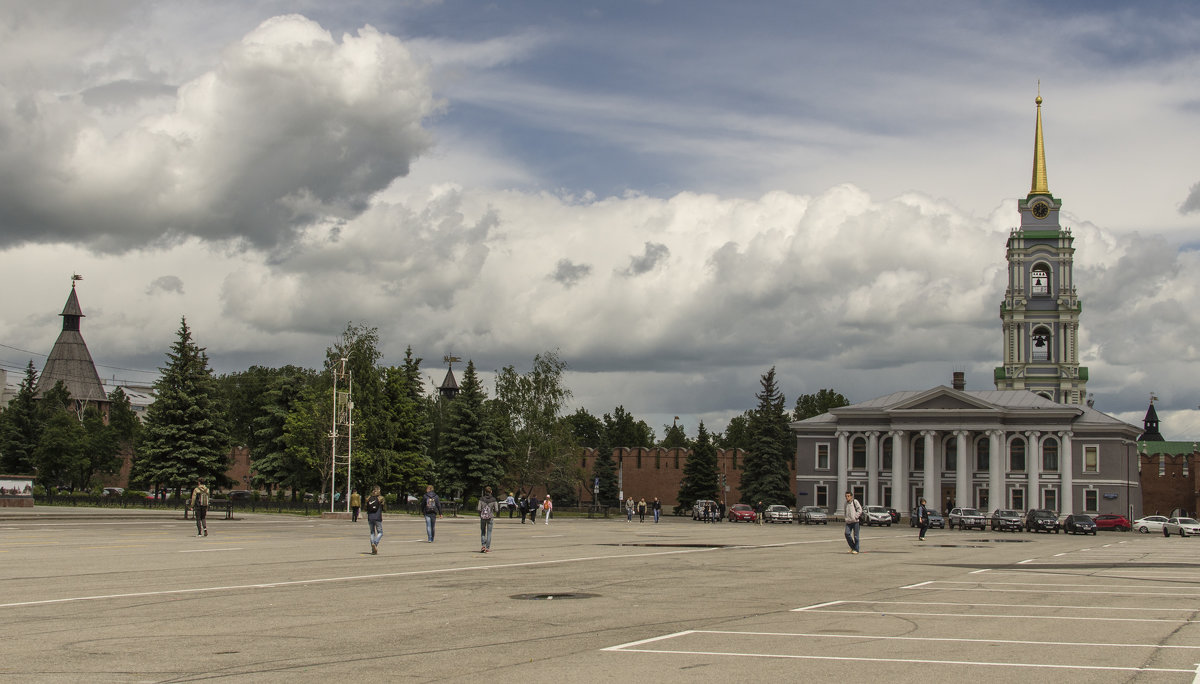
{"points": [[1033, 442]]}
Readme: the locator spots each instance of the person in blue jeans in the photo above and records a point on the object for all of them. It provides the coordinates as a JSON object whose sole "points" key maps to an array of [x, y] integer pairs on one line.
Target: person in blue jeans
{"points": [[489, 508], [431, 507], [657, 506], [375, 508], [852, 513]]}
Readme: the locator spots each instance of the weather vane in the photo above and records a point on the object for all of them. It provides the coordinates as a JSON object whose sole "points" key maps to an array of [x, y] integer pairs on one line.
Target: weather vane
{"points": [[450, 360], [74, 277]]}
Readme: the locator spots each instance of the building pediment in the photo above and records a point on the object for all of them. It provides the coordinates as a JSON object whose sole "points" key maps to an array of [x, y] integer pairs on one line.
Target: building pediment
{"points": [[943, 398]]}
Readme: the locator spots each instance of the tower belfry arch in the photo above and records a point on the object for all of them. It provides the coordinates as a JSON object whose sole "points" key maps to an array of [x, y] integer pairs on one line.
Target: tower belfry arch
{"points": [[343, 429]]}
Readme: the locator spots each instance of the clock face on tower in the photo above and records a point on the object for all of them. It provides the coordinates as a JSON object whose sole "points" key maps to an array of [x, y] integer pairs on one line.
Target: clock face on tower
{"points": [[1041, 209]]}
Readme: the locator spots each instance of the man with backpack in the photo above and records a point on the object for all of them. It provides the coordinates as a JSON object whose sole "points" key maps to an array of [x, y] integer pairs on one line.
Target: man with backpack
{"points": [[431, 507], [852, 514], [488, 508], [375, 506]]}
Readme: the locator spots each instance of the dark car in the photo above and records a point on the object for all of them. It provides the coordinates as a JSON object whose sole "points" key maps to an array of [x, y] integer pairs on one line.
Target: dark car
{"points": [[740, 513], [895, 514], [935, 518], [1041, 520], [1111, 521], [1005, 519], [1079, 524], [240, 496]]}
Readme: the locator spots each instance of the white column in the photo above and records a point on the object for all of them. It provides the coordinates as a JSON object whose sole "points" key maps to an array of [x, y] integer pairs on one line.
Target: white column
{"points": [[933, 493], [1066, 463], [872, 497], [997, 494], [1033, 462], [963, 496], [899, 473], [837, 499]]}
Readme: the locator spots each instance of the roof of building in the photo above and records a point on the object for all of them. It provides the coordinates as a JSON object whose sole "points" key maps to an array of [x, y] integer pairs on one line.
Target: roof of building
{"points": [[70, 361], [1174, 448]]}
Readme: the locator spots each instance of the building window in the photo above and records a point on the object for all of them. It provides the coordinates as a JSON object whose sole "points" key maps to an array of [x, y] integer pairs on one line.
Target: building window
{"points": [[822, 457], [918, 494], [1041, 344], [1051, 497], [886, 456], [983, 455], [1017, 499], [858, 454], [887, 496], [984, 500], [1050, 455], [823, 496], [919, 454], [1091, 458], [1162, 465], [950, 449], [860, 493], [1091, 500], [1016, 456], [1039, 281]]}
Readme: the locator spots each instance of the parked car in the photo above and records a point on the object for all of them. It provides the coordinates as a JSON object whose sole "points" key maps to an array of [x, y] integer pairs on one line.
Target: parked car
{"points": [[935, 518], [966, 518], [1150, 523], [777, 513], [1110, 521], [895, 514], [814, 515], [741, 513], [240, 495], [1006, 519], [877, 515], [1079, 524], [1041, 520], [113, 491], [1184, 527], [700, 507]]}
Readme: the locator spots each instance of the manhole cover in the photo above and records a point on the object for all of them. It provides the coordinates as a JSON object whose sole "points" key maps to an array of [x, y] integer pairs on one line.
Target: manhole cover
{"points": [[552, 597]]}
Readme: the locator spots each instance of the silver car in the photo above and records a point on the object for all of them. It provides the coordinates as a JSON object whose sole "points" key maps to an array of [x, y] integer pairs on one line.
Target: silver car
{"points": [[1150, 523], [814, 515], [777, 513], [965, 518], [878, 515]]}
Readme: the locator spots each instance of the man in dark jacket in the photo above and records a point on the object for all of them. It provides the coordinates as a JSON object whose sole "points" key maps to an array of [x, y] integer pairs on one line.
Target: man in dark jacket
{"points": [[489, 508], [375, 508], [431, 508]]}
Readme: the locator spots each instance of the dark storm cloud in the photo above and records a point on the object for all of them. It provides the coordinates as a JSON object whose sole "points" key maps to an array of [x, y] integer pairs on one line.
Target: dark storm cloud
{"points": [[569, 273], [654, 254]]}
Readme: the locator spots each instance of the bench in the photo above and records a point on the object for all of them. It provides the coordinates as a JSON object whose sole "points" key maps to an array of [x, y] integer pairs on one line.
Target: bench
{"points": [[214, 506]]}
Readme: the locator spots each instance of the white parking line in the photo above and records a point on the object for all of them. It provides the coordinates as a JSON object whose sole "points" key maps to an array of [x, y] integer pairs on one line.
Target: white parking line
{"points": [[818, 635], [1173, 594], [239, 548]]}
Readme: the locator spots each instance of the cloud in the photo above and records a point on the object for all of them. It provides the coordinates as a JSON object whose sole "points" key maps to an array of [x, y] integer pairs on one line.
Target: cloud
{"points": [[290, 129], [1192, 203], [569, 273], [166, 284], [649, 259]]}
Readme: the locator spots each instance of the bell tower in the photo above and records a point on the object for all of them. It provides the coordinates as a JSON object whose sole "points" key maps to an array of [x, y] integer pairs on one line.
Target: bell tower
{"points": [[1040, 311]]}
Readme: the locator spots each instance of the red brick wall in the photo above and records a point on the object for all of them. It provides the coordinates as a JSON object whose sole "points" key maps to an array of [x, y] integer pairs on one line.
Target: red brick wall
{"points": [[657, 471], [1163, 493]]}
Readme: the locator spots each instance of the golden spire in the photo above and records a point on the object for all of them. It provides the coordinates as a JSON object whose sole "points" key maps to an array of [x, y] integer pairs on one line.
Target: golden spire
{"points": [[1039, 185]]}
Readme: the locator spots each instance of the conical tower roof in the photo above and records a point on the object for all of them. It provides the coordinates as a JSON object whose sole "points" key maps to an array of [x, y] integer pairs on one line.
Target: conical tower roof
{"points": [[1039, 185], [70, 361]]}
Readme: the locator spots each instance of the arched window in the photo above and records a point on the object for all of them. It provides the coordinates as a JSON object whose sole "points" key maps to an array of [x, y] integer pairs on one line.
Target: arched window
{"points": [[1050, 455], [983, 453], [858, 454], [1016, 455], [1039, 281], [1041, 343]]}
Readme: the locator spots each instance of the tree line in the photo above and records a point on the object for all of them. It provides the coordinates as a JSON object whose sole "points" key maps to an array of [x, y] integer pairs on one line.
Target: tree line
{"points": [[514, 439]]}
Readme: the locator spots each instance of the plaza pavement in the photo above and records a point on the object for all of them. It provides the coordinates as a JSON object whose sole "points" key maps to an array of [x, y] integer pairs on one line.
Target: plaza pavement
{"points": [[110, 596]]}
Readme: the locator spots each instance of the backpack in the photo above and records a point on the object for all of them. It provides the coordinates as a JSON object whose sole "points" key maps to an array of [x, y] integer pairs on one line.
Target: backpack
{"points": [[485, 513], [372, 505]]}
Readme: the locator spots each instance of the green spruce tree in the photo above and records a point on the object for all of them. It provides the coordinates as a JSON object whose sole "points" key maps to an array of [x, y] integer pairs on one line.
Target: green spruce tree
{"points": [[20, 428], [471, 450], [183, 437], [767, 475]]}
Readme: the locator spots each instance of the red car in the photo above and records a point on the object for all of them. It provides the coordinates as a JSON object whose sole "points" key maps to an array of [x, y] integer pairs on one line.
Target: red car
{"points": [[1113, 522], [740, 513]]}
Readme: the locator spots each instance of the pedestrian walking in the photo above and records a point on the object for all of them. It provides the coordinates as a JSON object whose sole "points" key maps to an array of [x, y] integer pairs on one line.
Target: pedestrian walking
{"points": [[641, 509], [199, 504], [431, 507], [629, 509], [758, 512], [657, 510], [375, 508], [852, 513], [511, 504], [922, 519], [488, 509], [547, 508], [355, 504], [524, 505], [534, 507]]}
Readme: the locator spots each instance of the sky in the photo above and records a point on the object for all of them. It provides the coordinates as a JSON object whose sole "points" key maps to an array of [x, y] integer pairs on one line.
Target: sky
{"points": [[674, 196]]}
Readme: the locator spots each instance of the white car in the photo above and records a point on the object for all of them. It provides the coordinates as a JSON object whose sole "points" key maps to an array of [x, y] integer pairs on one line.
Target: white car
{"points": [[1184, 527], [1150, 523], [878, 515]]}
